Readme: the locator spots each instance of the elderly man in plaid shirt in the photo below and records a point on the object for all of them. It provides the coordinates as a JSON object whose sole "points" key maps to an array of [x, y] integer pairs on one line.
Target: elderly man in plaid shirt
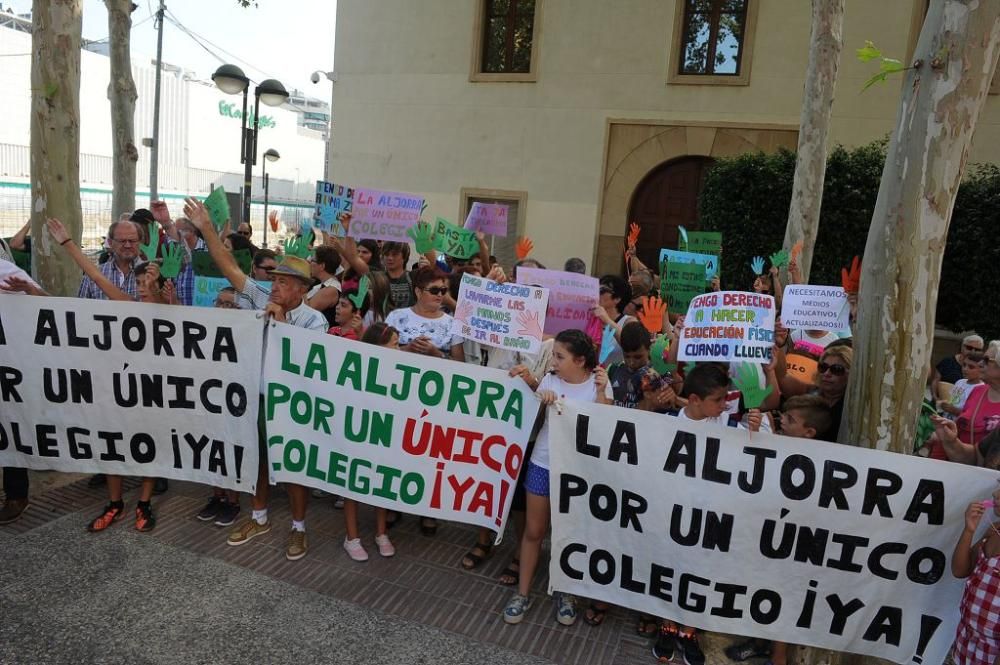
{"points": [[124, 237]]}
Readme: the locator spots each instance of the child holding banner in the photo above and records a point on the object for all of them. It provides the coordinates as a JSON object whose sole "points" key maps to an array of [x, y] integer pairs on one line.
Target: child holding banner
{"points": [[706, 388], [805, 417], [576, 376], [976, 640], [387, 337]]}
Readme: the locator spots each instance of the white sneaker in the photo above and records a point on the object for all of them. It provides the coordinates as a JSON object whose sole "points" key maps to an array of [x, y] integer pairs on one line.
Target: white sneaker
{"points": [[385, 547], [355, 549]]}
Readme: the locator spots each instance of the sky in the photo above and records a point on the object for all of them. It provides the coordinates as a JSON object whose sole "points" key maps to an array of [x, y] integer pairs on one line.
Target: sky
{"points": [[282, 39]]}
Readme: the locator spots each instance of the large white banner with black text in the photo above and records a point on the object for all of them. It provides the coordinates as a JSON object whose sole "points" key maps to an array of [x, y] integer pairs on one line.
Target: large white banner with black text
{"points": [[800, 541], [131, 389]]}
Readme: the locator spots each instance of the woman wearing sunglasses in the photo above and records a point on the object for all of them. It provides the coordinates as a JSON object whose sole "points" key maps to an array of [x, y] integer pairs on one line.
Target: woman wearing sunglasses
{"points": [[426, 329], [832, 373]]}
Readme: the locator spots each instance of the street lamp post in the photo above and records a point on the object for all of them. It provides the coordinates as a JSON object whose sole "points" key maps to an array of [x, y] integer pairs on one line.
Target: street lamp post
{"points": [[270, 155], [231, 80]]}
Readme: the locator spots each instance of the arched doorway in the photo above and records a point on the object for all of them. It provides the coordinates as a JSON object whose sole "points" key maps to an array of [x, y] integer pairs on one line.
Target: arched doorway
{"points": [[665, 199]]}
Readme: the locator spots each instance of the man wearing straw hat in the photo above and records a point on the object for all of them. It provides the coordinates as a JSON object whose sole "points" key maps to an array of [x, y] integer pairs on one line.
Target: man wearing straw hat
{"points": [[286, 304]]}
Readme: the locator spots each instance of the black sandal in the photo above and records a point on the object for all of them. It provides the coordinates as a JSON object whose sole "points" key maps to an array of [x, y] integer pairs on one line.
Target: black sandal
{"points": [[428, 526], [471, 560], [512, 572], [596, 614]]}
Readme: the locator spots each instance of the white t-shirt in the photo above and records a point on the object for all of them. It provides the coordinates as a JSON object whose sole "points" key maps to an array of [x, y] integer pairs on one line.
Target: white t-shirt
{"points": [[581, 392], [412, 325], [820, 342], [329, 282], [724, 420], [960, 393]]}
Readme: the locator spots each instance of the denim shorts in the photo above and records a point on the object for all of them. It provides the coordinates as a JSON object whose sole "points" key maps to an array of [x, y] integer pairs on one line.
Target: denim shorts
{"points": [[536, 480]]}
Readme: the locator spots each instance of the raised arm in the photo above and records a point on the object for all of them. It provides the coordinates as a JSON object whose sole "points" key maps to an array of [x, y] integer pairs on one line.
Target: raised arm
{"points": [[61, 236], [196, 212], [17, 242], [964, 558], [162, 215]]}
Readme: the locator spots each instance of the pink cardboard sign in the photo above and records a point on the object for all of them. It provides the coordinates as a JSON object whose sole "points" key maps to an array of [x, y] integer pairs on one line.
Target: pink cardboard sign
{"points": [[384, 215], [571, 297], [488, 217]]}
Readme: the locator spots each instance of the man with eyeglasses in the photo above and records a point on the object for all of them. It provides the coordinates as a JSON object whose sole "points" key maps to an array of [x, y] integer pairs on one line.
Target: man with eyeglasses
{"points": [[124, 237]]}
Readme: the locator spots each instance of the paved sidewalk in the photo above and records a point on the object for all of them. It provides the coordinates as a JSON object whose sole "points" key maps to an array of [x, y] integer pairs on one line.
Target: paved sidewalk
{"points": [[182, 595]]}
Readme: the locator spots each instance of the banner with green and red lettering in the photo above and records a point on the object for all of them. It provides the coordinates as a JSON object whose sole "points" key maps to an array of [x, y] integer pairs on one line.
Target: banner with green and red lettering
{"points": [[397, 430]]}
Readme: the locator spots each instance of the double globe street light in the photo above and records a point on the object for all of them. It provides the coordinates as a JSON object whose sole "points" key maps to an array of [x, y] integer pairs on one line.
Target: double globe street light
{"points": [[231, 80]]}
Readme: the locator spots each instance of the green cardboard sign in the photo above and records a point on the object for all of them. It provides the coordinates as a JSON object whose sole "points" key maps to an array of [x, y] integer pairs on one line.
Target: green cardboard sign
{"points": [[218, 208], [203, 265], [705, 242], [680, 283], [454, 240]]}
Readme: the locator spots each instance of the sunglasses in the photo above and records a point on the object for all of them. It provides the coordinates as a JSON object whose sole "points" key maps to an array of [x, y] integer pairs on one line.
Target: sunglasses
{"points": [[971, 348], [437, 290], [245, 233], [836, 370]]}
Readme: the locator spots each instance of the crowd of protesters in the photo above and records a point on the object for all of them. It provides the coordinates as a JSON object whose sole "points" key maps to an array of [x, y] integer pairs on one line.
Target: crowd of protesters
{"points": [[408, 302]]}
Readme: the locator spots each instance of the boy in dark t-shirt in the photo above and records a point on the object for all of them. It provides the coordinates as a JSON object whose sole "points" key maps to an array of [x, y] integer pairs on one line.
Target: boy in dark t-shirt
{"points": [[632, 380]]}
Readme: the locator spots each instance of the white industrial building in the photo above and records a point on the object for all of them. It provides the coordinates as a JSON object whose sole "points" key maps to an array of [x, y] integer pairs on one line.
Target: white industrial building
{"points": [[199, 139]]}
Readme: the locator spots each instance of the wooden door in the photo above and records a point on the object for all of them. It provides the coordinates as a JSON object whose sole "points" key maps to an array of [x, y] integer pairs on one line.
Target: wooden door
{"points": [[665, 199]]}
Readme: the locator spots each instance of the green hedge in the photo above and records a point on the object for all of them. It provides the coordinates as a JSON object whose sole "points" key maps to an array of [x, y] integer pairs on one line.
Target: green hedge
{"points": [[747, 199]]}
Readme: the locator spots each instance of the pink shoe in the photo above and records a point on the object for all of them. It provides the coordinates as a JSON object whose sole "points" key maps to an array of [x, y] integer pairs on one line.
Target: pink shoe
{"points": [[355, 549], [385, 547]]}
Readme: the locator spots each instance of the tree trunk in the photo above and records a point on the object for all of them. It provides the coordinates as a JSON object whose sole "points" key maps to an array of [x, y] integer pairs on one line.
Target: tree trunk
{"points": [[955, 59], [122, 95], [825, 44], [55, 137]]}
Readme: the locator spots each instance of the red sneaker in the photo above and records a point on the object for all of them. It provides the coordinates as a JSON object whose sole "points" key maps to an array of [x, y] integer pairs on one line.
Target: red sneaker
{"points": [[110, 515]]}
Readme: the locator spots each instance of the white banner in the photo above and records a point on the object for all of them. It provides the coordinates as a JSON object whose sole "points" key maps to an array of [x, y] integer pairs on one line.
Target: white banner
{"points": [[728, 326], [505, 316], [806, 307], [398, 430], [130, 388], [787, 539]]}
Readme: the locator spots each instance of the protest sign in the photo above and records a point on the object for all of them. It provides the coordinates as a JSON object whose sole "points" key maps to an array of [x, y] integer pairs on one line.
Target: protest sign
{"points": [[505, 316], [206, 290], [710, 262], [801, 367], [703, 242], [807, 307], [571, 297], [454, 241], [384, 215], [203, 264], [679, 283], [332, 202], [396, 430], [131, 389], [728, 326], [218, 208], [488, 217], [849, 548]]}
